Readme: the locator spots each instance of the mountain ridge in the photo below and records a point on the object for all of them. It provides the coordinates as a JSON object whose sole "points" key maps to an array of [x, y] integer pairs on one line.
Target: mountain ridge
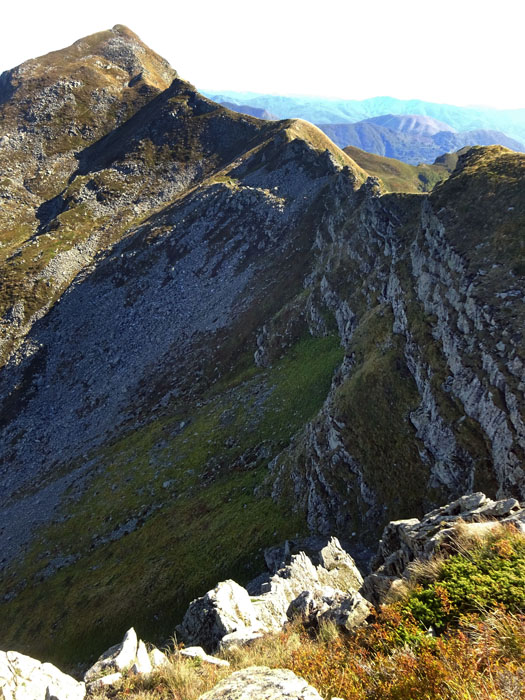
{"points": [[236, 331], [411, 147]]}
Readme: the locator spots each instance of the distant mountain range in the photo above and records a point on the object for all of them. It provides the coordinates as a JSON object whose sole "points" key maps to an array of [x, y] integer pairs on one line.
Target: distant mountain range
{"points": [[412, 138], [258, 112], [321, 110]]}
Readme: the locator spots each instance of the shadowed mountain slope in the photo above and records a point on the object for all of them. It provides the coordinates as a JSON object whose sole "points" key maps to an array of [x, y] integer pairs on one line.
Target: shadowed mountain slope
{"points": [[219, 333]]}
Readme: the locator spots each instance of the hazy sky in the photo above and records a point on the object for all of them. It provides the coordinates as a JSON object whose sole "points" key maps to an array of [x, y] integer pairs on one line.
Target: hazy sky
{"points": [[455, 51]]}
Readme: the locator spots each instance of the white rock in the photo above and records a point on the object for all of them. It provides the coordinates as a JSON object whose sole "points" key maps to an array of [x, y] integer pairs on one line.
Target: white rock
{"points": [[158, 658], [238, 639], [226, 608], [142, 663], [128, 653], [199, 653], [262, 683], [24, 678], [117, 658]]}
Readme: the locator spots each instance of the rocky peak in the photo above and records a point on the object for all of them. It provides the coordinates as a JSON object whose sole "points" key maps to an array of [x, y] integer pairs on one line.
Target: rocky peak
{"points": [[108, 55]]}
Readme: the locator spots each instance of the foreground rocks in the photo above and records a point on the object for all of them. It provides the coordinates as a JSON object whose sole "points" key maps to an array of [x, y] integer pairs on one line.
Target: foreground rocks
{"points": [[130, 655], [228, 616], [332, 589], [326, 604], [24, 678], [262, 682]]}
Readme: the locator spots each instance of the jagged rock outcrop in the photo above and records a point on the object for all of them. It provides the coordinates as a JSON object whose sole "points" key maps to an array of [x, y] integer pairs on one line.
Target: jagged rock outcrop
{"points": [[327, 604], [423, 324], [227, 616], [404, 541], [225, 609], [262, 682], [24, 678]]}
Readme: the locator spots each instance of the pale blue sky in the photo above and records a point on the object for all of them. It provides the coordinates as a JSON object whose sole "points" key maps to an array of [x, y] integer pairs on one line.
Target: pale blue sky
{"points": [[455, 51]]}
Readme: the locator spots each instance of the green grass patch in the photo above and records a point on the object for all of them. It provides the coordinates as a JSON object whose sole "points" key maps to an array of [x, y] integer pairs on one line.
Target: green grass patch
{"points": [[489, 574], [200, 468]]}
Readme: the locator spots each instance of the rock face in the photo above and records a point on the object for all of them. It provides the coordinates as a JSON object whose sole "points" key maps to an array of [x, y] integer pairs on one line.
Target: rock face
{"points": [[436, 300], [24, 678], [227, 616], [262, 682]]}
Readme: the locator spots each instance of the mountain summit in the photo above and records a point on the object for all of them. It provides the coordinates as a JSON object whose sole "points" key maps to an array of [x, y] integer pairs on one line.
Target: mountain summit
{"points": [[219, 333]]}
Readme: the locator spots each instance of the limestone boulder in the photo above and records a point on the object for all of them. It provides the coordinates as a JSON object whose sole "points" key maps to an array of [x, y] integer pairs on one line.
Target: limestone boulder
{"points": [[238, 639], [117, 658], [25, 678], [345, 610], [225, 609], [158, 658], [262, 682], [348, 611]]}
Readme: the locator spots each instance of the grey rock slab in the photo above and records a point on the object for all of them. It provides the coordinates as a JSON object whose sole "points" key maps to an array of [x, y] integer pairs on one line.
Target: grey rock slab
{"points": [[262, 683], [238, 639]]}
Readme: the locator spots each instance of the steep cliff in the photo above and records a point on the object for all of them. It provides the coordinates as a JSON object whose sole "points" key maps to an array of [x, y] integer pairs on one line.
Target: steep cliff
{"points": [[428, 296]]}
